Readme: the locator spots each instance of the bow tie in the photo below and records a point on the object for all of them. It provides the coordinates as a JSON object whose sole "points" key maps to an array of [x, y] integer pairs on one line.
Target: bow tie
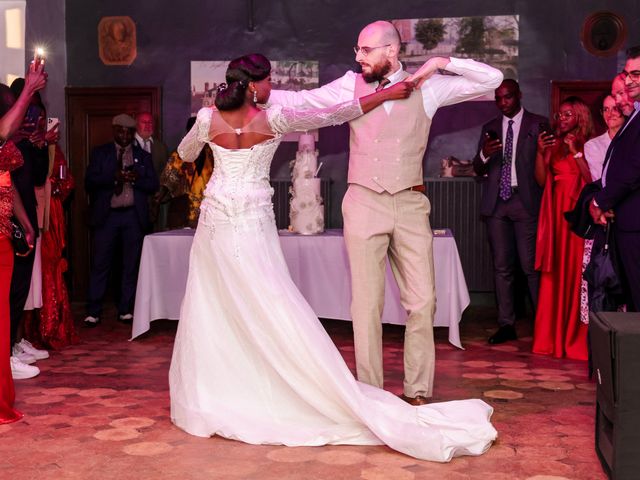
{"points": [[383, 83]]}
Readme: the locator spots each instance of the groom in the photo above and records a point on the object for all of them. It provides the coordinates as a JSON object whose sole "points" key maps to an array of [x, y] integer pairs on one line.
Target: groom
{"points": [[385, 211]]}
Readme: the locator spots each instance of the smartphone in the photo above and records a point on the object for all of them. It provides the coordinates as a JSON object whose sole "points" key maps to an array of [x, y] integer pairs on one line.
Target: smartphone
{"points": [[543, 128], [30, 123], [38, 57], [492, 134], [52, 123]]}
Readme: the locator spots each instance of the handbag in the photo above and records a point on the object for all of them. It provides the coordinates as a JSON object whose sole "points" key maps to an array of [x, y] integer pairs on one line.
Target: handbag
{"points": [[20, 245]]}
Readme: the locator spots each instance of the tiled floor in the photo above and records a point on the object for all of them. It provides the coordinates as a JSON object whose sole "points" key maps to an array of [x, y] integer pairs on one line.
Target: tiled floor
{"points": [[100, 409]]}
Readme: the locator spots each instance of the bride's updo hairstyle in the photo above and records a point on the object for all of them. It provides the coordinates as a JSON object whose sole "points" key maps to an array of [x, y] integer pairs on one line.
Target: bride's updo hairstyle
{"points": [[241, 71]]}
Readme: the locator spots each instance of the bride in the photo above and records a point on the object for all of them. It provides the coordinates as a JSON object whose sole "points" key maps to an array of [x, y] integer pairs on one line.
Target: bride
{"points": [[251, 361]]}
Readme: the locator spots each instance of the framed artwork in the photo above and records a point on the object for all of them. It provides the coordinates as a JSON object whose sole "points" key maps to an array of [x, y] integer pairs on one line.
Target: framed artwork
{"points": [[117, 40], [604, 33]]}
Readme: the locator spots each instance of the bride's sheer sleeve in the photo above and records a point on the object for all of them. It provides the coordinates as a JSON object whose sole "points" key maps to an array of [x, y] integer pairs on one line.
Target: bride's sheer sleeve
{"points": [[288, 119], [193, 142]]}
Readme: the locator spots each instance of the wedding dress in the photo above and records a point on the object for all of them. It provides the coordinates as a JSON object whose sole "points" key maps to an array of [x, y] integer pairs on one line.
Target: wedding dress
{"points": [[251, 361]]}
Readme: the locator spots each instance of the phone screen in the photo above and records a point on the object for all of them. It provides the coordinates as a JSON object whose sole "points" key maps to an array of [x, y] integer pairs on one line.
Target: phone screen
{"points": [[52, 123], [31, 118]]}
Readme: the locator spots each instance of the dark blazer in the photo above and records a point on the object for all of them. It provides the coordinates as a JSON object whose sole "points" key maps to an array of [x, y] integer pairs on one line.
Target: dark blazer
{"points": [[100, 182], [525, 153], [622, 183], [159, 154]]}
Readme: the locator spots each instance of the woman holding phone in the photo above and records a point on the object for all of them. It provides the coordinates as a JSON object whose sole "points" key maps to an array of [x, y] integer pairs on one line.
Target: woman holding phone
{"points": [[11, 115], [562, 170]]}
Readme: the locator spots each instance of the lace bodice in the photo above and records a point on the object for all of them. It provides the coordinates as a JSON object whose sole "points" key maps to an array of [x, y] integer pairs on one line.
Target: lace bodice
{"points": [[239, 188]]}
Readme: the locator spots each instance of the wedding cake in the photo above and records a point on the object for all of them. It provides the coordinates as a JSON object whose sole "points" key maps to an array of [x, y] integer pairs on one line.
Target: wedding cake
{"points": [[306, 212]]}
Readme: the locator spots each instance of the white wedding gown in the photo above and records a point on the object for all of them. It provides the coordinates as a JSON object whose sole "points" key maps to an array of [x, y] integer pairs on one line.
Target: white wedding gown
{"points": [[251, 361]]}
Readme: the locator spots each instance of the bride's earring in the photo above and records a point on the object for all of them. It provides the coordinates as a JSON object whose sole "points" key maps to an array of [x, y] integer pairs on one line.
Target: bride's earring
{"points": [[255, 96]]}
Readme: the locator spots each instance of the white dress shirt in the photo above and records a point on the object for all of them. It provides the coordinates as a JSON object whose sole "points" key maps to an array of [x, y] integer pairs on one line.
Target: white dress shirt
{"points": [[473, 80], [144, 144], [594, 152], [517, 123]]}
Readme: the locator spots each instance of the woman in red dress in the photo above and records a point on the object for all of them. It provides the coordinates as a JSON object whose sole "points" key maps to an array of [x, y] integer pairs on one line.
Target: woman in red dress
{"points": [[56, 329], [10, 203], [563, 171]]}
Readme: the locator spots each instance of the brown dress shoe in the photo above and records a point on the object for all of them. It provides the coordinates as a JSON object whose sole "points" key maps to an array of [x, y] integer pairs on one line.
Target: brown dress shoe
{"points": [[415, 401]]}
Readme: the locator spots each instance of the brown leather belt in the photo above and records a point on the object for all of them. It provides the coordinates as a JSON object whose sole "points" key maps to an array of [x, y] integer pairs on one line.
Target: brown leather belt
{"points": [[418, 188]]}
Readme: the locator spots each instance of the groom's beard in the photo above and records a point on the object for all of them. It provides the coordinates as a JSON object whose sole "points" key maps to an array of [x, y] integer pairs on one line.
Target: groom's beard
{"points": [[377, 72]]}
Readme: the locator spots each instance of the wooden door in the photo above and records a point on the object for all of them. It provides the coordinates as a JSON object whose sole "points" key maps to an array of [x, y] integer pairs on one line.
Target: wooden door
{"points": [[89, 115]]}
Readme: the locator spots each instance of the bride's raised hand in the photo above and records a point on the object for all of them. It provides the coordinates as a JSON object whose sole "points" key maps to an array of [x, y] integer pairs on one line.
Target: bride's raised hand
{"points": [[399, 91]]}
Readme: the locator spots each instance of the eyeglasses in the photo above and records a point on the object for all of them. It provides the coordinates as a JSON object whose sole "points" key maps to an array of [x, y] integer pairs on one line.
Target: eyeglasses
{"points": [[367, 50], [617, 110], [633, 75], [561, 115]]}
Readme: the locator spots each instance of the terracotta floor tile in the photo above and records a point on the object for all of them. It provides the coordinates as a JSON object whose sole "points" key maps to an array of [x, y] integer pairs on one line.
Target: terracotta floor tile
{"points": [[100, 410]]}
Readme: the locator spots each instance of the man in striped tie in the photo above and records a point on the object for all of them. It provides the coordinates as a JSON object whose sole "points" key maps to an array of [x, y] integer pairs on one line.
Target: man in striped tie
{"points": [[511, 199]]}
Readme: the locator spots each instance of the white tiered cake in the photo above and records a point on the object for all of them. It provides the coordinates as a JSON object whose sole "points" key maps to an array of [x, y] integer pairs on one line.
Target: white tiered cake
{"points": [[306, 213]]}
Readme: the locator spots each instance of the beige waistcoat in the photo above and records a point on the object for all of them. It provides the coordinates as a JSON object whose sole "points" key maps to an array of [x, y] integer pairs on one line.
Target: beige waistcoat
{"points": [[386, 149]]}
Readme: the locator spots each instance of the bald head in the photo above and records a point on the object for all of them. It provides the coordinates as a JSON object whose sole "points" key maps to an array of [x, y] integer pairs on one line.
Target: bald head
{"points": [[144, 125], [383, 31], [377, 51], [619, 93]]}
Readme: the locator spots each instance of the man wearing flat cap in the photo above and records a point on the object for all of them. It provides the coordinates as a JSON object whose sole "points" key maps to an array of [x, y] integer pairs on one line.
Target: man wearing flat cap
{"points": [[119, 180]]}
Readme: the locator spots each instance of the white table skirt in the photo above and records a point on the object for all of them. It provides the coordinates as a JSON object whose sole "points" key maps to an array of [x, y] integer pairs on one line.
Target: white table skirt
{"points": [[319, 267]]}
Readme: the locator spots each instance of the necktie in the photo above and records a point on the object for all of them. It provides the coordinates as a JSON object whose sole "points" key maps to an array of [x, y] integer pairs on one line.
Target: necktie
{"points": [[119, 185], [384, 82], [147, 146], [505, 172]]}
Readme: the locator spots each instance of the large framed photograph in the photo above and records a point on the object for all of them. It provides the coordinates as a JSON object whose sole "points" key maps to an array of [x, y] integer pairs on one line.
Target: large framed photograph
{"points": [[490, 39], [285, 75]]}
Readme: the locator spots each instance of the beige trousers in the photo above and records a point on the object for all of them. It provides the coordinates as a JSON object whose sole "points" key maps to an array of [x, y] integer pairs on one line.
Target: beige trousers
{"points": [[377, 225]]}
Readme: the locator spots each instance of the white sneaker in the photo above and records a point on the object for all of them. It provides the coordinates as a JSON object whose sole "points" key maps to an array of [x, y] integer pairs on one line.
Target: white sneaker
{"points": [[22, 371], [27, 347], [91, 322], [21, 355]]}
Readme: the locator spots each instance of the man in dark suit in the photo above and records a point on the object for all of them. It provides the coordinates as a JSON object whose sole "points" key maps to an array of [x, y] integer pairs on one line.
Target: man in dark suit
{"points": [[144, 139], [619, 199], [511, 199], [120, 177]]}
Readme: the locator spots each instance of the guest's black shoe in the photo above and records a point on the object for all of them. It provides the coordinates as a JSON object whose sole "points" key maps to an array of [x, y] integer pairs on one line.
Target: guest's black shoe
{"points": [[127, 319], [504, 334]]}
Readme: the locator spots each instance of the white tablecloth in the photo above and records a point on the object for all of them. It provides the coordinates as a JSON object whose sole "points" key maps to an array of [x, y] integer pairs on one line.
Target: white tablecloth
{"points": [[319, 267]]}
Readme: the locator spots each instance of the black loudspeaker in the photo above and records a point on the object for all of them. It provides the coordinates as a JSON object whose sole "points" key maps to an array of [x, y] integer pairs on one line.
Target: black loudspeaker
{"points": [[615, 351]]}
